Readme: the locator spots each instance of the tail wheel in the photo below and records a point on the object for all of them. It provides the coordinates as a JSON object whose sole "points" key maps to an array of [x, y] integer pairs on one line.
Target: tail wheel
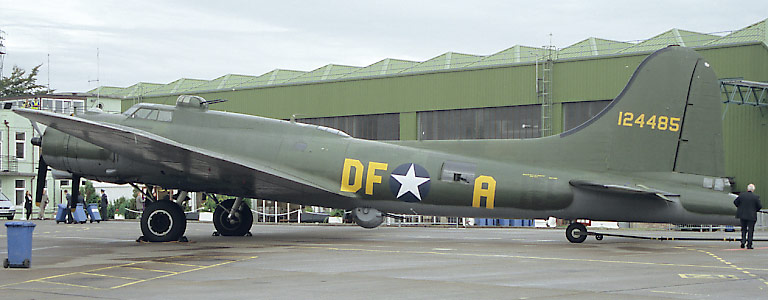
{"points": [[367, 217], [576, 233], [240, 223], [163, 221]]}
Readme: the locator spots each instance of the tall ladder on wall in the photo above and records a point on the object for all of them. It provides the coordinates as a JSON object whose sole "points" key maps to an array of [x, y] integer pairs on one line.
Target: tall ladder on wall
{"points": [[544, 88]]}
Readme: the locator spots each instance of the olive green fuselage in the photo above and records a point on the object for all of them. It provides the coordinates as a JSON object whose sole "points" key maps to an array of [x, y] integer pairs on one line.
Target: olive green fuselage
{"points": [[489, 178]]}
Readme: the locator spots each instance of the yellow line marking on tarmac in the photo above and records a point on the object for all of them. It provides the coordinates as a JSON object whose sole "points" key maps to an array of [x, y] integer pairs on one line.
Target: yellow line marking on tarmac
{"points": [[178, 264], [707, 276], [522, 257], [128, 265], [743, 270], [182, 272], [110, 276], [150, 270], [67, 284], [675, 293]]}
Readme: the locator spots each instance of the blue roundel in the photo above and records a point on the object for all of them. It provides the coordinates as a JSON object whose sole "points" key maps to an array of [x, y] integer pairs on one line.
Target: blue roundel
{"points": [[409, 182]]}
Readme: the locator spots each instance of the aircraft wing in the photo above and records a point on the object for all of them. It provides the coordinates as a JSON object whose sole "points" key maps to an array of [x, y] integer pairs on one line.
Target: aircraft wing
{"points": [[637, 190], [201, 163]]}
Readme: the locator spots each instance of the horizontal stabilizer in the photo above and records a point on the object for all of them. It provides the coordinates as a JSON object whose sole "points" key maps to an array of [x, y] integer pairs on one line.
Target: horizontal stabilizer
{"points": [[638, 190]]}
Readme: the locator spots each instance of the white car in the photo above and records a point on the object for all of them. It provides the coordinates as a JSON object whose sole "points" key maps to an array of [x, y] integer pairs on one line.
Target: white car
{"points": [[7, 209]]}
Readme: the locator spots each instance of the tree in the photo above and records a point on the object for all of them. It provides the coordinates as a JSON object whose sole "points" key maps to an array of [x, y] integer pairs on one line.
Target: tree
{"points": [[89, 192], [20, 83]]}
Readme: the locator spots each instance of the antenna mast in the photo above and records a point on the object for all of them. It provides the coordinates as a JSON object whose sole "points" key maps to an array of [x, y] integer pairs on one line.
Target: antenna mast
{"points": [[98, 83], [2, 52]]}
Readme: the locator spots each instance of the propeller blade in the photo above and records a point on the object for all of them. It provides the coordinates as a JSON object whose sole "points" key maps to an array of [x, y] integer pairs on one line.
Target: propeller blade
{"points": [[34, 125]]}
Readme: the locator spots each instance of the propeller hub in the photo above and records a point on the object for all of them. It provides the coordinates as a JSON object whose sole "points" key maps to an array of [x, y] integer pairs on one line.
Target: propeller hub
{"points": [[37, 141]]}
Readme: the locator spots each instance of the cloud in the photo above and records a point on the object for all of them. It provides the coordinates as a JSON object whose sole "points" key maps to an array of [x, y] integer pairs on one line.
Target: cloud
{"points": [[161, 41]]}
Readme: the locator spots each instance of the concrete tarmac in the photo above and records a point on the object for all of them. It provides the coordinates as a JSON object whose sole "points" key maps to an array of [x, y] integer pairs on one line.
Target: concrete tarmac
{"points": [[346, 262]]}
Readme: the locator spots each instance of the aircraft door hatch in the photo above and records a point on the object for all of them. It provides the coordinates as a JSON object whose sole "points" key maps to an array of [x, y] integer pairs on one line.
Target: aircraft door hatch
{"points": [[458, 172]]}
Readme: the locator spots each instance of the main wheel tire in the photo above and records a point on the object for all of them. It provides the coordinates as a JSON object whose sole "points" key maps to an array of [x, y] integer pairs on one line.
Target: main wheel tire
{"points": [[239, 225], [576, 233], [10, 218], [163, 221]]}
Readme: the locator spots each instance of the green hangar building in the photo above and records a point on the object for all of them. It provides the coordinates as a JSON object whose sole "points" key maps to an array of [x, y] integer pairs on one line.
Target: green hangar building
{"points": [[519, 92]]}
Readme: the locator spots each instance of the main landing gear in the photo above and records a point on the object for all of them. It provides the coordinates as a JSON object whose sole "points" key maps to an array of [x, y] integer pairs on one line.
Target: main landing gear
{"points": [[163, 221], [229, 222]]}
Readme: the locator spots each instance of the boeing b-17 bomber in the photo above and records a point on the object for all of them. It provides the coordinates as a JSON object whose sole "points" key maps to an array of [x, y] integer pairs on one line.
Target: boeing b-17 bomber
{"points": [[654, 154]]}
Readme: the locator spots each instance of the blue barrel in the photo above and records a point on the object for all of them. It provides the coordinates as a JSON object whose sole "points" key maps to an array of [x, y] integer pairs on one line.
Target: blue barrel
{"points": [[93, 212], [480, 222], [19, 244], [61, 213], [503, 222], [79, 214]]}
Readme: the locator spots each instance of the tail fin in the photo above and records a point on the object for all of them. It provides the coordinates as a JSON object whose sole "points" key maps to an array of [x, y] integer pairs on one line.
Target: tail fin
{"points": [[667, 118]]}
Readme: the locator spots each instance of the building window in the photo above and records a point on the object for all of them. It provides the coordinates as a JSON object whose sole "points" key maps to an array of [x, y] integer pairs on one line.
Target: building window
{"points": [[576, 113], [64, 183], [20, 184], [509, 122], [20, 138], [47, 104], [370, 127]]}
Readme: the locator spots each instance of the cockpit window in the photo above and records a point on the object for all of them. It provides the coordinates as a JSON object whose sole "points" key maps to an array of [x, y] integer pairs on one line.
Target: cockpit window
{"points": [[130, 111], [164, 116], [153, 114], [142, 113]]}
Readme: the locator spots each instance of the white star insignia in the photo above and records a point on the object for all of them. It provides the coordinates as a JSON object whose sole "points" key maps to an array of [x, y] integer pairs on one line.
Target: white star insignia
{"points": [[410, 183]]}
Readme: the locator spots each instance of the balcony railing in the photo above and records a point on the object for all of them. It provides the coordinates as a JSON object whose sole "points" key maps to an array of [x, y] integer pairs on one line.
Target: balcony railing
{"points": [[9, 163]]}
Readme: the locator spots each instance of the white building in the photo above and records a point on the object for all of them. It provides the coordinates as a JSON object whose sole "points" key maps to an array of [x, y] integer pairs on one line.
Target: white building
{"points": [[19, 158]]}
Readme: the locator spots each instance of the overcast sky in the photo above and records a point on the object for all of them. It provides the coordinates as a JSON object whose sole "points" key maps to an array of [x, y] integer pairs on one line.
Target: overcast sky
{"points": [[161, 41]]}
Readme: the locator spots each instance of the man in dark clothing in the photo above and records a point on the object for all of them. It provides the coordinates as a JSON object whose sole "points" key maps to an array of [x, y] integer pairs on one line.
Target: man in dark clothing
{"points": [[747, 205], [103, 205], [28, 204], [72, 205]]}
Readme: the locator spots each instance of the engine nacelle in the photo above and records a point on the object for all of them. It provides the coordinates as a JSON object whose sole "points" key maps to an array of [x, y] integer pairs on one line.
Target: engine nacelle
{"points": [[367, 217], [68, 153]]}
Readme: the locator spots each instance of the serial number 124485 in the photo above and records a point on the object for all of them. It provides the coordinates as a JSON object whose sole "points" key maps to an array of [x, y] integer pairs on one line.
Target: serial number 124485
{"points": [[663, 123]]}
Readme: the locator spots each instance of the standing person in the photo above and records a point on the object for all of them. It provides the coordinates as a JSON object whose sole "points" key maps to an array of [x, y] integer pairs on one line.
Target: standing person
{"points": [[140, 201], [103, 205], [28, 204], [70, 205], [747, 205], [43, 204]]}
